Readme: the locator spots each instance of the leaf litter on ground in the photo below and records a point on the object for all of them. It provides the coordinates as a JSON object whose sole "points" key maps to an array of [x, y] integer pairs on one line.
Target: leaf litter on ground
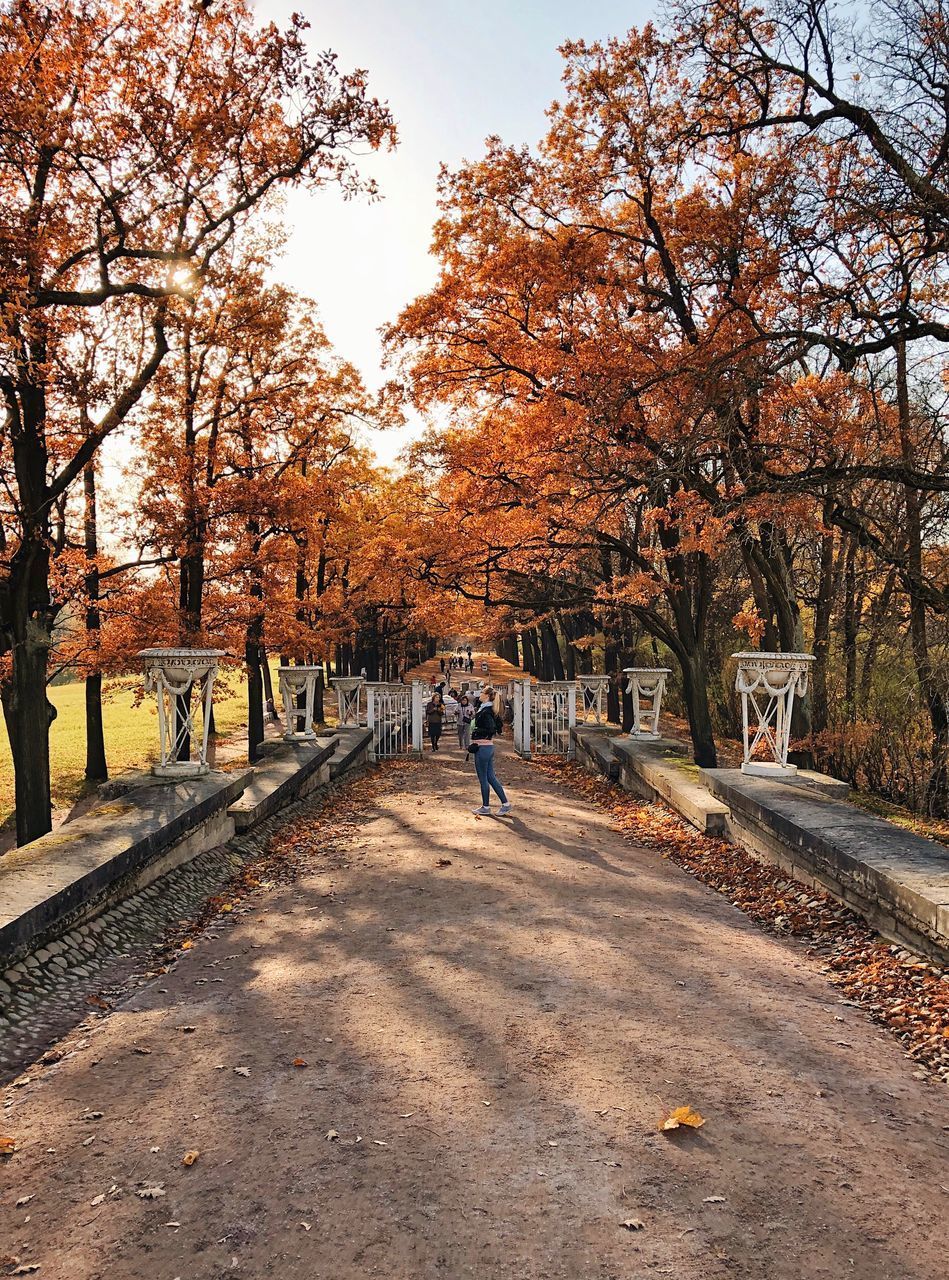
{"points": [[680, 1118]]}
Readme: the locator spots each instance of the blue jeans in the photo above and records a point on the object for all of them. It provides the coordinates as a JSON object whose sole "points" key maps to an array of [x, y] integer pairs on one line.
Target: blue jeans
{"points": [[484, 765]]}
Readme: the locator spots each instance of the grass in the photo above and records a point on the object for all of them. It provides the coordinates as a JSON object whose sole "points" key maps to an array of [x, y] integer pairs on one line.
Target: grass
{"points": [[131, 735]]}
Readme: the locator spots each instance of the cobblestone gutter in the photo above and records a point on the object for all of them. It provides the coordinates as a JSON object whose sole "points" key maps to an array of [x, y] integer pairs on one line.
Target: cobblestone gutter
{"points": [[50, 990]]}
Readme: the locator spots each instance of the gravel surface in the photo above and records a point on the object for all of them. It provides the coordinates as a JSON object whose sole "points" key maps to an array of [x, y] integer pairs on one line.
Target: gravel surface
{"points": [[443, 1050]]}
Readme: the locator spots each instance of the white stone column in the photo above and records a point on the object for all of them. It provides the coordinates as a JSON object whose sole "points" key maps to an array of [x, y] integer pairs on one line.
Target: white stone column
{"points": [[768, 684], [648, 683], [592, 694], [419, 693], [293, 682], [522, 717], [349, 700], [171, 675]]}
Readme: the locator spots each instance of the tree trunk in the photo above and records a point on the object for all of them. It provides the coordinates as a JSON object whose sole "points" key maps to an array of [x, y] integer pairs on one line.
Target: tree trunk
{"points": [[551, 649], [319, 712], [851, 629], [97, 769], [28, 715], [822, 615], [255, 688], [871, 649], [933, 696], [695, 692], [29, 615], [611, 662]]}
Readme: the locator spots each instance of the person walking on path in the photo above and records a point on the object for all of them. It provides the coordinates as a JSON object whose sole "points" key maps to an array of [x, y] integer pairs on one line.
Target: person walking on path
{"points": [[487, 724], [434, 715], [465, 716]]}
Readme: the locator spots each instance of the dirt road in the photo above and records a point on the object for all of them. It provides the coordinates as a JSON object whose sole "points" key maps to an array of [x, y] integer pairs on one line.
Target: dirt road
{"points": [[489, 1045]]}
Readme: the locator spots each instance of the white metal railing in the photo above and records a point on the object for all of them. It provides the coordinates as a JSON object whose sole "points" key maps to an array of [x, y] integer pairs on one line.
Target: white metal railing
{"points": [[553, 713], [391, 716]]}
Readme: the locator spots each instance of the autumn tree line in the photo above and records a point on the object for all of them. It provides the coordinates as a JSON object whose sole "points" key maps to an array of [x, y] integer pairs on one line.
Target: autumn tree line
{"points": [[179, 443], [690, 350], [692, 347]]}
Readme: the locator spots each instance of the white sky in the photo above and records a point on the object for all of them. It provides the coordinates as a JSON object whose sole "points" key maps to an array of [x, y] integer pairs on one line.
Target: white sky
{"points": [[453, 73]]}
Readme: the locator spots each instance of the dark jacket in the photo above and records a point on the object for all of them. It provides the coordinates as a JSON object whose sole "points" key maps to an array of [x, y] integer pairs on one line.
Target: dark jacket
{"points": [[486, 724]]}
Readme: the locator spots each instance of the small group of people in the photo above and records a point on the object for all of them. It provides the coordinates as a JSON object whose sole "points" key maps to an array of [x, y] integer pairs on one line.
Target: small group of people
{"points": [[479, 723], [462, 660]]}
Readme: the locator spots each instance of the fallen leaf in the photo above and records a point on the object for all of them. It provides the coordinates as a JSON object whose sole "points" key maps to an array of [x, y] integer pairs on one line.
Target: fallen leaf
{"points": [[186, 1030], [443, 862], [98, 1002], [305, 1226], [187, 945], [87, 1142], [189, 1158], [141, 1049], [242, 1071], [152, 1191], [7, 1146], [300, 1062], [680, 1117], [172, 1224], [714, 1200], [632, 1224], [26, 1268], [406, 1115], [332, 1136], [154, 1150], [97, 1200], [22, 1201]]}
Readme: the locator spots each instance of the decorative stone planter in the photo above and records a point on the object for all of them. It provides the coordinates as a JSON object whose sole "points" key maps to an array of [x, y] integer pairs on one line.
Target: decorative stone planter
{"points": [[171, 674], [648, 683], [295, 681], [592, 696], [768, 684], [349, 699]]}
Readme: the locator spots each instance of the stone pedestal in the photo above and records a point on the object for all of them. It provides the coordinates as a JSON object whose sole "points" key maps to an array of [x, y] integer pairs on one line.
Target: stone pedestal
{"points": [[295, 681], [768, 684], [172, 674], [648, 683], [349, 699]]}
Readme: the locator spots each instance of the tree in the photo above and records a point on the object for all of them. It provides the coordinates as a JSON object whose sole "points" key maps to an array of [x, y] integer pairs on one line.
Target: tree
{"points": [[135, 142]]}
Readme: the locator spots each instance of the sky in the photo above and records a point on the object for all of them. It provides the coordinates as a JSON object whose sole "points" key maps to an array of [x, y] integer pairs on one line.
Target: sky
{"points": [[452, 73]]}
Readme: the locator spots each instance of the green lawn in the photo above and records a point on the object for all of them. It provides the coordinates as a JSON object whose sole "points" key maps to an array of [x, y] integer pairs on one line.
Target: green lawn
{"points": [[131, 735]]}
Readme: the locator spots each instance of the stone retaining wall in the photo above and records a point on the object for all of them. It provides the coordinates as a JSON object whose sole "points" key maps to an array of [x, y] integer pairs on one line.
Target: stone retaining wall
{"points": [[147, 828], [898, 881]]}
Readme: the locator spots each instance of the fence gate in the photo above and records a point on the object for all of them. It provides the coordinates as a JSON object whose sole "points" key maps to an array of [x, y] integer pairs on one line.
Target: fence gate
{"points": [[394, 717], [553, 713]]}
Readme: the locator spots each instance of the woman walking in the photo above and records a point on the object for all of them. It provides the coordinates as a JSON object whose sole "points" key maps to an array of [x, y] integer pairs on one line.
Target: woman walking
{"points": [[434, 715], [487, 724], [465, 716]]}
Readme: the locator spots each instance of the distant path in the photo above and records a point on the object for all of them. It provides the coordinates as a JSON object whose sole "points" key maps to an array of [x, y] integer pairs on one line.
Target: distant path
{"points": [[500, 671], [487, 1043]]}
